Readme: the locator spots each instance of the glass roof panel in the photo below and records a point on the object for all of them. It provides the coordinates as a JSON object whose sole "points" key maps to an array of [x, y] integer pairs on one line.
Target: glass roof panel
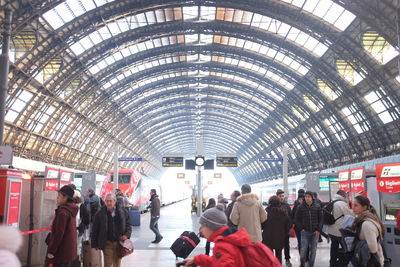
{"points": [[327, 10]]}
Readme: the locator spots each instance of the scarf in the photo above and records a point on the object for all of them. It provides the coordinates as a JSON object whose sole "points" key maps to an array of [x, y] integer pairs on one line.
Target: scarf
{"points": [[368, 215]]}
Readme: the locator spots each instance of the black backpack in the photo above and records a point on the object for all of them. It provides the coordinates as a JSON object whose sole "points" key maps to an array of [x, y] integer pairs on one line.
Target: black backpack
{"points": [[327, 213]]}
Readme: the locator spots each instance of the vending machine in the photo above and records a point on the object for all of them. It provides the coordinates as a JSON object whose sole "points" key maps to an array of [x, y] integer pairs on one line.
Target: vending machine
{"points": [[10, 194], [388, 185]]}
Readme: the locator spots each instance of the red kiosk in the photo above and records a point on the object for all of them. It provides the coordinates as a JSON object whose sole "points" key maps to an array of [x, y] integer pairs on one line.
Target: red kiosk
{"points": [[10, 194]]}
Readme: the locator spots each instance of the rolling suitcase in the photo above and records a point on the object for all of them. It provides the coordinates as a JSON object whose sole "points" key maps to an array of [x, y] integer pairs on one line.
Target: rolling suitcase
{"points": [[185, 244], [135, 217]]}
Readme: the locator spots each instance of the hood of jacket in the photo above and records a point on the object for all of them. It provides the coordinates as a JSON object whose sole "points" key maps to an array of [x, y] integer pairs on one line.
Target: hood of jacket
{"points": [[248, 199], [238, 238], [339, 197], [70, 208], [10, 238]]}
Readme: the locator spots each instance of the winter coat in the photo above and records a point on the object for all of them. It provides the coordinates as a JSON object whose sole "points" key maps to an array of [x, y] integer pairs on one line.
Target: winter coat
{"points": [[99, 229], [63, 238], [293, 214], [288, 209], [10, 242], [248, 212], [276, 227], [226, 252], [155, 206], [228, 212], [340, 209], [309, 217]]}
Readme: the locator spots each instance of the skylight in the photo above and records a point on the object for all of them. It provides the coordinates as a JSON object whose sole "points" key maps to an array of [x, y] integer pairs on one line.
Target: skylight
{"points": [[327, 10]]}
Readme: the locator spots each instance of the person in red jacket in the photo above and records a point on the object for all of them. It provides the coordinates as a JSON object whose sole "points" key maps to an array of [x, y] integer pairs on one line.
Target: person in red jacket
{"points": [[62, 242], [226, 252]]}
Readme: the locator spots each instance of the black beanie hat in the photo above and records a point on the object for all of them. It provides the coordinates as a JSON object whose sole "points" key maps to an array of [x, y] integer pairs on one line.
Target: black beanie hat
{"points": [[67, 190]]}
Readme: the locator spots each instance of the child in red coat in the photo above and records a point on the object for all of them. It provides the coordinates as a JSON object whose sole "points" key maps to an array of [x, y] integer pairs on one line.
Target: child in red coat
{"points": [[226, 252]]}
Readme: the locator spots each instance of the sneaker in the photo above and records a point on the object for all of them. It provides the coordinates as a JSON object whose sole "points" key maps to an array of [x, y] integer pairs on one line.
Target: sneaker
{"points": [[288, 263]]}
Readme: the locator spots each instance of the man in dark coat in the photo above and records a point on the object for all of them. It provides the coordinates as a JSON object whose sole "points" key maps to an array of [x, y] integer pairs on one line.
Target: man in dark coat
{"points": [[235, 194], [62, 242], [281, 195], [276, 227], [155, 215], [309, 221], [111, 225]]}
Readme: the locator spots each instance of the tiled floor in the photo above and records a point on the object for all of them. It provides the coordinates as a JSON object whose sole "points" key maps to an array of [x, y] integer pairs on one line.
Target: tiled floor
{"points": [[174, 220]]}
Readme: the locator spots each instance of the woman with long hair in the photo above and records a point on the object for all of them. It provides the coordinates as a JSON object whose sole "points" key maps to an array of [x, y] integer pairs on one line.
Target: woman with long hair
{"points": [[370, 229]]}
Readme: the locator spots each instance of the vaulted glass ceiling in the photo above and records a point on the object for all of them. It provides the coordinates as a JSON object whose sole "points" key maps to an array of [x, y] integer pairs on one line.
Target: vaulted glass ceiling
{"points": [[246, 77]]}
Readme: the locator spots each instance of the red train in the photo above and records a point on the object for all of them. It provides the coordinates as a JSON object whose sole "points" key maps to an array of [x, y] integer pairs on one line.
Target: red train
{"points": [[135, 185]]}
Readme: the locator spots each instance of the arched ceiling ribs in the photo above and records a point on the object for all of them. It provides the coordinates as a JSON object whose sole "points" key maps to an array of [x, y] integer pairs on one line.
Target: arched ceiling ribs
{"points": [[166, 120]]}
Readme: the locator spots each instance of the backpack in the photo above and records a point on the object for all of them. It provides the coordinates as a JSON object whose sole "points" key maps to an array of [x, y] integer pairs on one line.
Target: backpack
{"points": [[259, 255], [327, 213]]}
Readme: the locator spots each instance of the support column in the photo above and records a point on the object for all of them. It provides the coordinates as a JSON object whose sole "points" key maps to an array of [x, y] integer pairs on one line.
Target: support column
{"points": [[116, 176], [4, 68], [199, 191], [285, 165]]}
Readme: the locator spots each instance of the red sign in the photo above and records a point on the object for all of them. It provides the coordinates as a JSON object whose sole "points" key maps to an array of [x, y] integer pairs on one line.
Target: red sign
{"points": [[343, 178], [357, 180], [388, 178], [13, 204], [66, 176], [51, 185]]}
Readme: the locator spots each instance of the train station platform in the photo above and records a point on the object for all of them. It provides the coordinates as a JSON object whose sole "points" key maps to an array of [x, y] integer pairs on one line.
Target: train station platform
{"points": [[174, 220]]}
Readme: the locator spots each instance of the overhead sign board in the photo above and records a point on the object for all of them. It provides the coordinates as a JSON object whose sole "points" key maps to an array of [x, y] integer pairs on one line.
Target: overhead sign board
{"points": [[172, 161], [130, 159], [227, 162], [270, 159], [388, 178]]}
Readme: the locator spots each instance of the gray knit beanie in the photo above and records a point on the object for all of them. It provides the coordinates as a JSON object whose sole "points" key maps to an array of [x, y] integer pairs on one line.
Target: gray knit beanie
{"points": [[214, 218]]}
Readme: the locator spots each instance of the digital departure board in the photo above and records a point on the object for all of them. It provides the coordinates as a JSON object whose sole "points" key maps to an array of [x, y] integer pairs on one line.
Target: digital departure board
{"points": [[172, 161], [227, 162]]}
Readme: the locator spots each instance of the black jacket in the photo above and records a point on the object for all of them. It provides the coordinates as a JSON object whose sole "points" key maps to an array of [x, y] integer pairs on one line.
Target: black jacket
{"points": [[309, 218], [276, 227], [155, 206], [99, 229], [228, 212], [286, 206]]}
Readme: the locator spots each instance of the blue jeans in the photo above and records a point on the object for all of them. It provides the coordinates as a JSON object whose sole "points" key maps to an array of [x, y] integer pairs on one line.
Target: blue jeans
{"points": [[154, 227], [308, 247]]}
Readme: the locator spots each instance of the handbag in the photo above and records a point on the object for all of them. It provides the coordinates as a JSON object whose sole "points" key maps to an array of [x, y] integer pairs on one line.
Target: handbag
{"points": [[124, 248]]}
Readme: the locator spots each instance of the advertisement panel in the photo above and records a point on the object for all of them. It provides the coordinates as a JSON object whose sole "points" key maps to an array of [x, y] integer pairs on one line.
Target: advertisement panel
{"points": [[388, 178], [13, 206], [65, 177], [343, 177], [357, 178]]}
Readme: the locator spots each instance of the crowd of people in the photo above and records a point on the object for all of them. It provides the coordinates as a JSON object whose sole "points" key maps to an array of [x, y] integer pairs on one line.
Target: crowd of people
{"points": [[241, 223], [245, 221]]}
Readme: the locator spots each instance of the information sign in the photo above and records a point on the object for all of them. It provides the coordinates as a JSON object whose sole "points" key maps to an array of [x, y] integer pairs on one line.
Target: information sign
{"points": [[388, 178], [324, 180], [357, 180], [344, 183], [13, 206], [172, 161], [270, 159], [130, 159], [180, 175], [227, 162]]}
